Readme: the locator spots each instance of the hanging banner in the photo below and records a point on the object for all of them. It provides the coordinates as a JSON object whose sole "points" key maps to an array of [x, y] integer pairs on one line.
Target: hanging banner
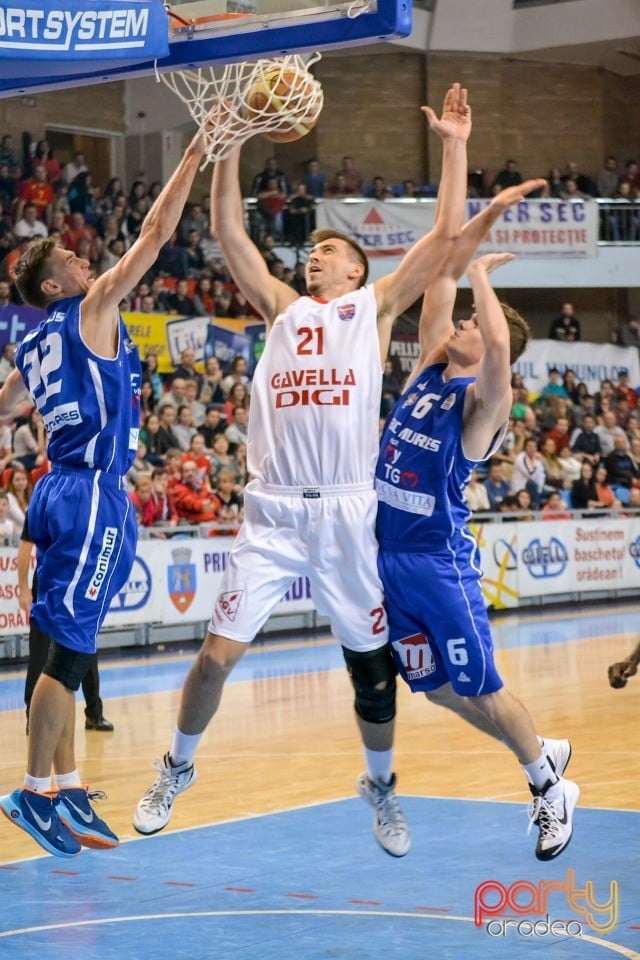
{"points": [[592, 362], [532, 228], [82, 30]]}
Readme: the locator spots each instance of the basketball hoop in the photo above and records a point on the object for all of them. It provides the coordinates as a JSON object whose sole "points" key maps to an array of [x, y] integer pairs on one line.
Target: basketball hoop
{"points": [[216, 98]]}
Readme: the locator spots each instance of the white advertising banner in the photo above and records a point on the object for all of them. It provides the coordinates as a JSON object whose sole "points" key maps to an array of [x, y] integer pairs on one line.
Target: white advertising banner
{"points": [[499, 562], [592, 363], [532, 228]]}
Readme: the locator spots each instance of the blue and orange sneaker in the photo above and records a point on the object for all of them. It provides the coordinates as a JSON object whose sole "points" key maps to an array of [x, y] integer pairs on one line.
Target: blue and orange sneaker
{"points": [[36, 814], [77, 814]]}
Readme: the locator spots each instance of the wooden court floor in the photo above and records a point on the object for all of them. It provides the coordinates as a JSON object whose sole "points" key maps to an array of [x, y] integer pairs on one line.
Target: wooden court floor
{"points": [[285, 735]]}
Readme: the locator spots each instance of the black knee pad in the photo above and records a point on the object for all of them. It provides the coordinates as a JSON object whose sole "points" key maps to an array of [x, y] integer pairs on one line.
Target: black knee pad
{"points": [[368, 671], [67, 666]]}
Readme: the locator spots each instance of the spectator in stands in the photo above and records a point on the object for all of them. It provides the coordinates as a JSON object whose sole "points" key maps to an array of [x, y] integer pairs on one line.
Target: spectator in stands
{"points": [[180, 302], [509, 176], [353, 178], [586, 442], [151, 503], [30, 441], [623, 221], [555, 386], [608, 178], [621, 470], [160, 294], [192, 498], [555, 508], [566, 326], [186, 369], [18, 490], [523, 505], [111, 253], [150, 436], [584, 185], [271, 205], [82, 197], [570, 191], [607, 431], [147, 400], [628, 334], [553, 472], [77, 230], [172, 259], [194, 218], [197, 453], [378, 190], [6, 299], [213, 380], [604, 393], [560, 433], [339, 189], [174, 397], [29, 226], [183, 428], [315, 180], [584, 495], [528, 472], [632, 177], [8, 359], [605, 495], [150, 371], [9, 156], [167, 439], [497, 487], [238, 396], [38, 191], [7, 189], [476, 495], [299, 216], [570, 466], [226, 490], [213, 426], [270, 172], [173, 469], [570, 384], [391, 388], [75, 166], [625, 391], [135, 218], [238, 374], [195, 254], [8, 529], [220, 457], [241, 469], [236, 432], [556, 185], [203, 297], [191, 398]]}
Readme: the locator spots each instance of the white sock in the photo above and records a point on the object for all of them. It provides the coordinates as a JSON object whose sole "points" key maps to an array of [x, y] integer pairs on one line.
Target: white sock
{"points": [[67, 781], [39, 784], [379, 764], [540, 772], [184, 746]]}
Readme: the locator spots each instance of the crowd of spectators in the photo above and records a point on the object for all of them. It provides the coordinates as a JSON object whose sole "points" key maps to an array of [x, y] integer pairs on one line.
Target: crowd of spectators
{"points": [[564, 449]]}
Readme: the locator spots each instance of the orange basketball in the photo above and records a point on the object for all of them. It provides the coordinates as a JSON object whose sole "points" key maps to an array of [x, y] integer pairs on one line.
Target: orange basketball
{"points": [[289, 99]]}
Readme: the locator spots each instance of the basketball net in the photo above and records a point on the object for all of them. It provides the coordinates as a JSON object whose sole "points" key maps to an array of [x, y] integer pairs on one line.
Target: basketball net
{"points": [[216, 98]]}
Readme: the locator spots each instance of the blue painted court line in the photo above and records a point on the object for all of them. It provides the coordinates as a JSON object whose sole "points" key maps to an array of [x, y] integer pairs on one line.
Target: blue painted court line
{"points": [[312, 884], [155, 672]]}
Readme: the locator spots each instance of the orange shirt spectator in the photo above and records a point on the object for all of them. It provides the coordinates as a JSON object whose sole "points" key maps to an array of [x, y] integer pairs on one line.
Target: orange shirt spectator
{"points": [[192, 499], [38, 191]]}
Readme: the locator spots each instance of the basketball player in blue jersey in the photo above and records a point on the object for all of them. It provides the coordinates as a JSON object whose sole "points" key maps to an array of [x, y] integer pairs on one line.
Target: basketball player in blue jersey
{"points": [[452, 416], [83, 373], [313, 441]]}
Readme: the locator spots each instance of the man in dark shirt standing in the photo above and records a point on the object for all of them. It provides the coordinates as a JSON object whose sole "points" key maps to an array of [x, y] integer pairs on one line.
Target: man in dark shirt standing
{"points": [[587, 443], [566, 326]]}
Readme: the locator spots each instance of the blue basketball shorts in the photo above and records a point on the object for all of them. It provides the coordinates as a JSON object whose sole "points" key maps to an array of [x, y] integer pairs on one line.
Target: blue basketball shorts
{"points": [[85, 531], [438, 623]]}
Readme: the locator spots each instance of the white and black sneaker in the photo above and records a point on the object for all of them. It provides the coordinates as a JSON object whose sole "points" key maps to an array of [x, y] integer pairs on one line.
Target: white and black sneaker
{"points": [[551, 810], [154, 809], [558, 753], [389, 823]]}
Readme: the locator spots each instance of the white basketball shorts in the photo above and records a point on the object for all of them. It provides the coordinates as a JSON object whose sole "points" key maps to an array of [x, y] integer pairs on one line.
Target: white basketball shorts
{"points": [[324, 533]]}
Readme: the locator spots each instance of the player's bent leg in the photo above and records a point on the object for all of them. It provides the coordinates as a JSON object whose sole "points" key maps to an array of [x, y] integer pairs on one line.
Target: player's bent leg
{"points": [[200, 699], [373, 675], [465, 707]]}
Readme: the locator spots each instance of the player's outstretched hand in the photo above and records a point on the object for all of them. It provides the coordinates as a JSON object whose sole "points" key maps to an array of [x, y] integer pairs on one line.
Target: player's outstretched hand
{"points": [[619, 673], [490, 262], [506, 198], [455, 122]]}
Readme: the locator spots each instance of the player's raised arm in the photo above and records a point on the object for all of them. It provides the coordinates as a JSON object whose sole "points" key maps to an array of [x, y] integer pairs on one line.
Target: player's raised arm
{"points": [[423, 262], [436, 317], [99, 309], [492, 388], [246, 264]]}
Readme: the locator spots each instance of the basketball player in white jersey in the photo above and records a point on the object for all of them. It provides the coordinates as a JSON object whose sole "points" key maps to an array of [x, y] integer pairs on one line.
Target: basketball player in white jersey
{"points": [[313, 443]]}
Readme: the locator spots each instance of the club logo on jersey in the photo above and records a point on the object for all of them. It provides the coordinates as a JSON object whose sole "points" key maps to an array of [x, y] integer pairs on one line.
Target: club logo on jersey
{"points": [[181, 575], [99, 575], [129, 346], [408, 479], [347, 311], [411, 399], [227, 605], [391, 453], [448, 402], [414, 653]]}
